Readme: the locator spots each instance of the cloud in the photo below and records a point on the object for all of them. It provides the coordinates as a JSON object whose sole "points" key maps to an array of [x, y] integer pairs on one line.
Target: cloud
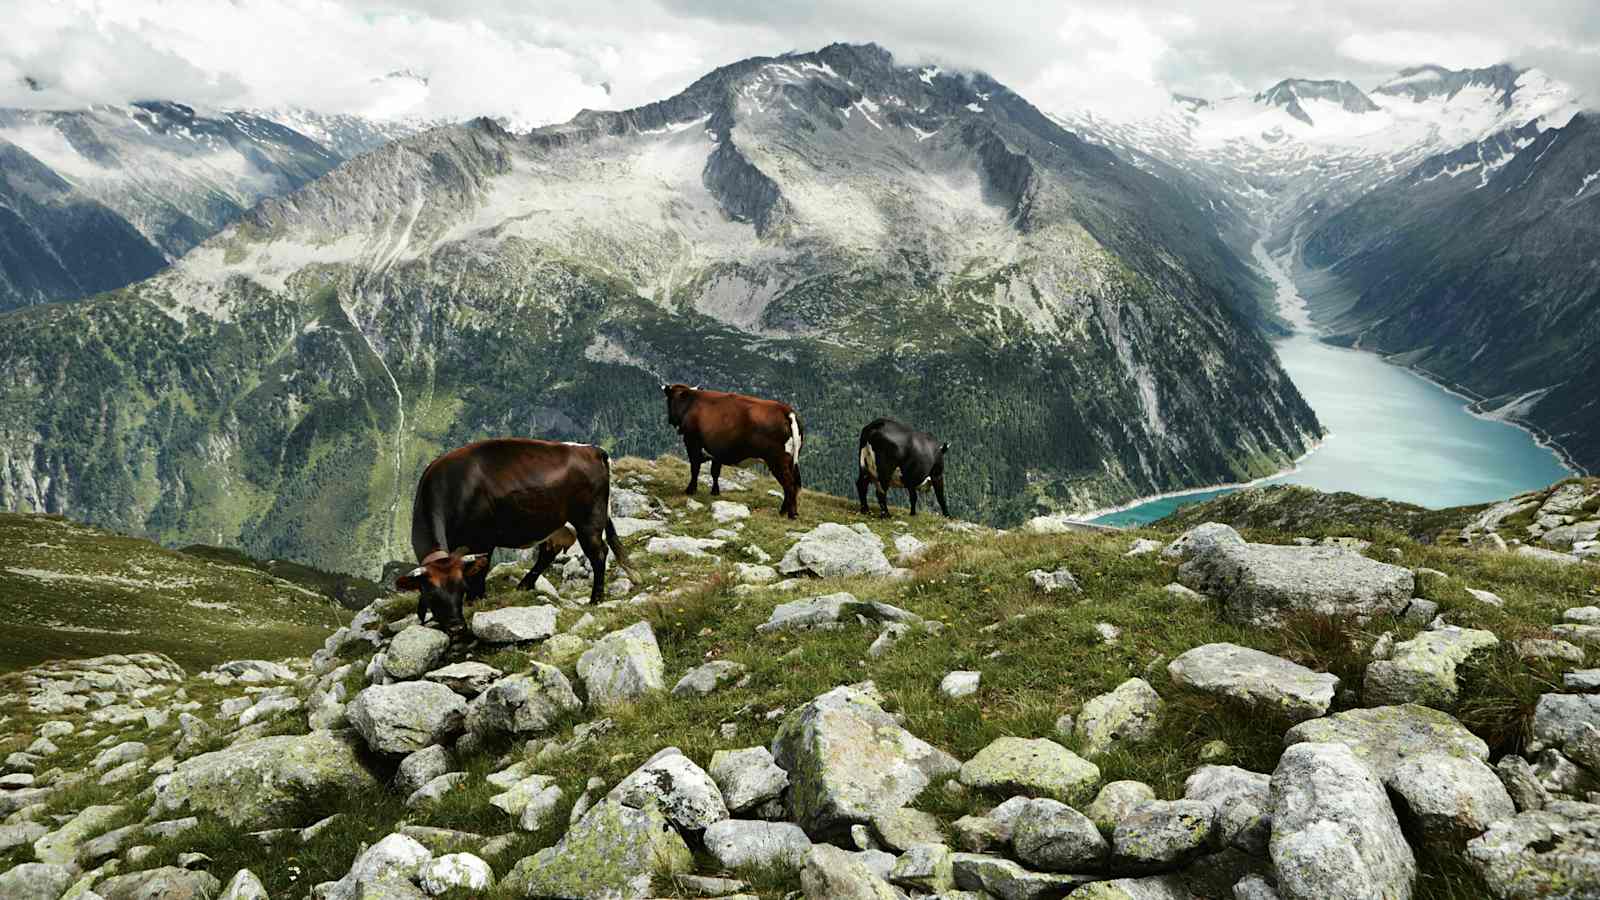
{"points": [[540, 63]]}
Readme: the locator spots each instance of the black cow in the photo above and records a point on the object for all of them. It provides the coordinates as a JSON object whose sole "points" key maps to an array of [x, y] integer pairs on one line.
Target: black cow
{"points": [[506, 492], [892, 455]]}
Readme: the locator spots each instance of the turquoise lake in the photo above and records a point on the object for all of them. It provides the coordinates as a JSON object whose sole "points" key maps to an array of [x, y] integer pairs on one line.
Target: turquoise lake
{"points": [[1392, 434]]}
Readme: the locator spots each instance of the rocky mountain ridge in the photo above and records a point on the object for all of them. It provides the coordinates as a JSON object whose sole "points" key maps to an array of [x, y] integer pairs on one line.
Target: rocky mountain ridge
{"points": [[830, 228], [95, 199], [881, 708]]}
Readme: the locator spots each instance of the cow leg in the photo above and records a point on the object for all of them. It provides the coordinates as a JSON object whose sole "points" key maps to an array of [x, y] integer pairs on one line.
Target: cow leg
{"points": [[593, 543], [885, 478], [696, 457], [716, 478], [862, 480], [910, 490], [548, 551], [938, 491], [787, 472]]}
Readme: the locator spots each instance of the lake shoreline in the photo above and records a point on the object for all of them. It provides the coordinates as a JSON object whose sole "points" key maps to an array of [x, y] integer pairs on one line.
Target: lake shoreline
{"points": [[1293, 467], [1474, 408]]}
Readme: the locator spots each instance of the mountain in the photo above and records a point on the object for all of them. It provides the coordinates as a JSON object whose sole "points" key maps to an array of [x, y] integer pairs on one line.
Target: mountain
{"points": [[1478, 267], [1443, 218], [94, 199], [856, 237]]}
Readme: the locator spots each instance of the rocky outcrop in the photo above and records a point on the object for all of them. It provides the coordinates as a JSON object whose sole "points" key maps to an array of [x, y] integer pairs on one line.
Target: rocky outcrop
{"points": [[1259, 584], [1334, 835], [848, 761], [1258, 680], [264, 783]]}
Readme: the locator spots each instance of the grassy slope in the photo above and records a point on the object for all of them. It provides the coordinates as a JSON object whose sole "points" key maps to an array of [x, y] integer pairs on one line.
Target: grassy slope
{"points": [[1040, 659], [72, 591]]}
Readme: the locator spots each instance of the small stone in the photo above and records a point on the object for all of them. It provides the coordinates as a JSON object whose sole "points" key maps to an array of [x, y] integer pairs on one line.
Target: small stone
{"points": [[456, 871], [1115, 801], [904, 828], [1058, 580], [1054, 837], [515, 624], [1126, 716], [1158, 834], [1037, 767], [705, 679], [1487, 598], [747, 777], [956, 685], [739, 844], [414, 651]]}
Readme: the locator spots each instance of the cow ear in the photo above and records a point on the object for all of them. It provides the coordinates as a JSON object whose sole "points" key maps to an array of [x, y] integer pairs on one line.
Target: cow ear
{"points": [[474, 565]]}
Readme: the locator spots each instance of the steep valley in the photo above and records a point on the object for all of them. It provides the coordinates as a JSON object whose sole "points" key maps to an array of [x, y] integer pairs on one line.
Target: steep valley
{"points": [[850, 235]]}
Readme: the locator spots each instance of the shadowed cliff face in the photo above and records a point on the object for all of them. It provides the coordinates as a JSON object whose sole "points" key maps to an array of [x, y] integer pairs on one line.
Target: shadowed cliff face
{"points": [[1483, 274], [852, 236]]}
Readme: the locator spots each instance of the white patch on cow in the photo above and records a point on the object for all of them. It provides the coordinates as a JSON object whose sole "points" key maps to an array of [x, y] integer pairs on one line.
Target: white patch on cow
{"points": [[869, 460], [793, 444]]}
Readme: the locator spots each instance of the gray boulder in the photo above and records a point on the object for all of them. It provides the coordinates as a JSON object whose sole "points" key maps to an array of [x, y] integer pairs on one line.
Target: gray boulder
{"points": [[405, 717], [613, 852], [515, 624], [1259, 584], [1202, 539], [1153, 887], [1423, 669], [1162, 834], [1542, 854], [1449, 799], [167, 883], [469, 678], [421, 767], [705, 679], [683, 791], [414, 651], [848, 761], [831, 550], [1520, 782], [833, 874], [456, 871], [1243, 801], [748, 777], [1006, 880], [1116, 800], [36, 881], [264, 783], [1384, 735], [1054, 837], [527, 704], [1259, 680], [244, 886], [1036, 767], [741, 843], [831, 609], [386, 869], [1559, 719], [622, 666], [1128, 715], [1334, 835]]}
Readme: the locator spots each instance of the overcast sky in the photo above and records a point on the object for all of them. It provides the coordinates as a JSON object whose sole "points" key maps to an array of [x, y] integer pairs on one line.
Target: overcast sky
{"points": [[542, 61]]}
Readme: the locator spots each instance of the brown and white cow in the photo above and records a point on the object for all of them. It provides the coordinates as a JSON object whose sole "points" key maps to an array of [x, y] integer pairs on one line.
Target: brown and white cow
{"points": [[729, 429], [506, 492]]}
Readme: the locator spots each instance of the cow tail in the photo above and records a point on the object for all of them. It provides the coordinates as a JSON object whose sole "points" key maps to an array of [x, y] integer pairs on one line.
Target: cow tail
{"points": [[615, 543], [797, 434], [869, 459], [612, 540]]}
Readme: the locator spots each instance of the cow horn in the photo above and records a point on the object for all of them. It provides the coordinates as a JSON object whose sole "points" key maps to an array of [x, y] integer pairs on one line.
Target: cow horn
{"points": [[418, 572], [473, 557], [697, 387]]}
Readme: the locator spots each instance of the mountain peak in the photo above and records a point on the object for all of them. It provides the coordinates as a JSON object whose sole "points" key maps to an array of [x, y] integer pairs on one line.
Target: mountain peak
{"points": [[1424, 82], [1290, 93]]}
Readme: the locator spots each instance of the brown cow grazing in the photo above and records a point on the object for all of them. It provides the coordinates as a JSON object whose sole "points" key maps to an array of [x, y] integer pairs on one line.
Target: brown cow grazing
{"points": [[732, 428], [506, 492]]}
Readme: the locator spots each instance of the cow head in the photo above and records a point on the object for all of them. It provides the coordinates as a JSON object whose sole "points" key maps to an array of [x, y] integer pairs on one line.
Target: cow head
{"points": [[679, 396], [441, 584]]}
